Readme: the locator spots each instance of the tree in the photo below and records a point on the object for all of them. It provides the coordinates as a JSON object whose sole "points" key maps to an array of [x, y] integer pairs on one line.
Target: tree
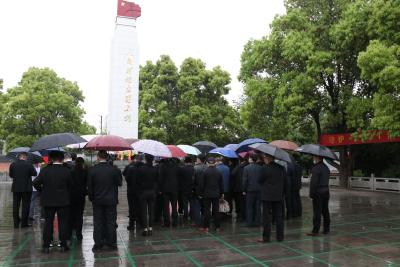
{"points": [[42, 103], [187, 104], [312, 67]]}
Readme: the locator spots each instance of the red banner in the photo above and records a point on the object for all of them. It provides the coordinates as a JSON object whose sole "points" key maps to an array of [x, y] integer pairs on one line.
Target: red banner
{"points": [[345, 139]]}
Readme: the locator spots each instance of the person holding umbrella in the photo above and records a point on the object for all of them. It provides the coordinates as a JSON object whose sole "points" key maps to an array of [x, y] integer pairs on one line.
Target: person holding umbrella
{"points": [[186, 179], [169, 190], [103, 183], [55, 182], [146, 183], [131, 175], [212, 191], [273, 181], [319, 193], [21, 172], [319, 186], [273, 187], [251, 189]]}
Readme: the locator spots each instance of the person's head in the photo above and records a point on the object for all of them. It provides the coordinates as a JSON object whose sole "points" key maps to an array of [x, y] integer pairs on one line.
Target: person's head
{"points": [[67, 157], [268, 158], [56, 156], [79, 163], [188, 160], [317, 159], [74, 156], [253, 158], [23, 156], [200, 159], [148, 159], [211, 161], [102, 155], [219, 160]]}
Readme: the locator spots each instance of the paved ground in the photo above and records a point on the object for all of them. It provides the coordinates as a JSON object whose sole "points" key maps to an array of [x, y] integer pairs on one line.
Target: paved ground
{"points": [[365, 232]]}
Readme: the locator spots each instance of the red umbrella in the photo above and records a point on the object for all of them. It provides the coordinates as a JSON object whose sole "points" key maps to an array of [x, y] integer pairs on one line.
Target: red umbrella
{"points": [[283, 144], [109, 143], [176, 152]]}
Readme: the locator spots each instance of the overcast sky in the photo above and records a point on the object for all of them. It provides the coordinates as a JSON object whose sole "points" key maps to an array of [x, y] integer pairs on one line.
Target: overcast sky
{"points": [[73, 37]]}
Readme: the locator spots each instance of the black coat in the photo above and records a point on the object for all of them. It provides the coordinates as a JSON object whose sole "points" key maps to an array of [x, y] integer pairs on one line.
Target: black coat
{"points": [[237, 178], [213, 184], [55, 183], [273, 181], [251, 176], [296, 185], [21, 171], [147, 178], [79, 186], [186, 179], [319, 182], [168, 182], [103, 182], [131, 173], [199, 170]]}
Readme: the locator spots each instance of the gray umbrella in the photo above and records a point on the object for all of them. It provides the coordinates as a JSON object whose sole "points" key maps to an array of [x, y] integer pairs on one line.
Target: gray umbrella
{"points": [[33, 157], [272, 151], [317, 150], [56, 140], [205, 146]]}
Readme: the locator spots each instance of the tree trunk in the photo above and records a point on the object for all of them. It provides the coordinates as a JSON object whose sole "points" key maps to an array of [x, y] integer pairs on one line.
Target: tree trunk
{"points": [[344, 167]]}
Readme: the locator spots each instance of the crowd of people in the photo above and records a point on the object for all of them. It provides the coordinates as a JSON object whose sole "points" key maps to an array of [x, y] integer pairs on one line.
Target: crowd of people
{"points": [[259, 189]]}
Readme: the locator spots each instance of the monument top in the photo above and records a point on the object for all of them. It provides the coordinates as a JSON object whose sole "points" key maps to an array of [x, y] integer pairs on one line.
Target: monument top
{"points": [[128, 9]]}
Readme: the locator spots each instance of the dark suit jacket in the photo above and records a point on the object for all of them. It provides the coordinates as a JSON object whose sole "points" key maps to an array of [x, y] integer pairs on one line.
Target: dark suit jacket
{"points": [[168, 178], [213, 184], [21, 172], [131, 174], [103, 182], [251, 175], [54, 182], [186, 179], [237, 178], [273, 182], [199, 170], [79, 186], [319, 182], [147, 178]]}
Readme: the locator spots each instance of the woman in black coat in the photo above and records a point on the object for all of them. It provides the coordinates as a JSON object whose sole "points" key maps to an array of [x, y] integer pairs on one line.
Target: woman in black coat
{"points": [[78, 195]]}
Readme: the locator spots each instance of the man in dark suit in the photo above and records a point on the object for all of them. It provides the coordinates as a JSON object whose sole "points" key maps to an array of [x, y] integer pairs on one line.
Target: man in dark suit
{"points": [[103, 182], [169, 189], [319, 193], [251, 187], [54, 182], [21, 171], [212, 191], [273, 188], [186, 183], [131, 175]]}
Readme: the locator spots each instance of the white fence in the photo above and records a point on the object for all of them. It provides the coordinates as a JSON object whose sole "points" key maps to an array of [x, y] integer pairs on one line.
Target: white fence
{"points": [[366, 183]]}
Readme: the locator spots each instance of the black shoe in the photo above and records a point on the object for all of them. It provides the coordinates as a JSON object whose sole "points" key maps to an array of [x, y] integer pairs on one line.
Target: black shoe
{"points": [[97, 248], [46, 250], [64, 248]]}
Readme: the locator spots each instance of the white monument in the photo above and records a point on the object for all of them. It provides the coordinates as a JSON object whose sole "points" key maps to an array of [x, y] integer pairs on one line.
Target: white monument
{"points": [[123, 107]]}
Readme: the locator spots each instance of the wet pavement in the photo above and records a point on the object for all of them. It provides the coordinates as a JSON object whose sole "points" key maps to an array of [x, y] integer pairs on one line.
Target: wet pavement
{"points": [[365, 232]]}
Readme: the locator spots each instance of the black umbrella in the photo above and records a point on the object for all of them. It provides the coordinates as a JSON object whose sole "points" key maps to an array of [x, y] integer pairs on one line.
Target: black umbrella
{"points": [[56, 140], [272, 151], [205, 146], [33, 157], [317, 150]]}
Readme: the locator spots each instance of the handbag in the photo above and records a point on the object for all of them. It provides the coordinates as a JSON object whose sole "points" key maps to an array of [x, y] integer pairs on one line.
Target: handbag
{"points": [[223, 206]]}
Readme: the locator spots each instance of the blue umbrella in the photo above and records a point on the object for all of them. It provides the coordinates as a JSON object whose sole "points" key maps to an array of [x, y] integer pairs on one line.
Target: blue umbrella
{"points": [[33, 157], [225, 152], [244, 145], [231, 146]]}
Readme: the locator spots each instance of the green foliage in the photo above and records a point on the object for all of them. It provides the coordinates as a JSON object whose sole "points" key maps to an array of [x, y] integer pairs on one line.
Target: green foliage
{"points": [[186, 104], [327, 66], [41, 104]]}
